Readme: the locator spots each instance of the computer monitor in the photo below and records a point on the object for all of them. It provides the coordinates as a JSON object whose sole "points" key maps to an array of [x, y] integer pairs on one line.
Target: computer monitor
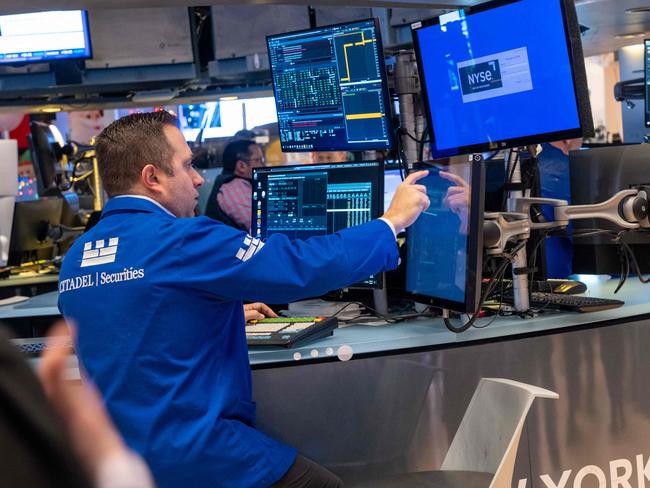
{"points": [[392, 179], [30, 226], [45, 144], [445, 244], [596, 175], [27, 189], [44, 36], [330, 88], [317, 199], [492, 80], [646, 70]]}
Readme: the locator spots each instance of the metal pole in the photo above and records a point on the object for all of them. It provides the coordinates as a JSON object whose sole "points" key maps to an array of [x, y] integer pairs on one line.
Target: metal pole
{"points": [[406, 86], [519, 281]]}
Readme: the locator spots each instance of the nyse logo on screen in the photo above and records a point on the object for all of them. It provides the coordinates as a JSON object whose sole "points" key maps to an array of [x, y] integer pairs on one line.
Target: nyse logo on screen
{"points": [[495, 75], [476, 78]]}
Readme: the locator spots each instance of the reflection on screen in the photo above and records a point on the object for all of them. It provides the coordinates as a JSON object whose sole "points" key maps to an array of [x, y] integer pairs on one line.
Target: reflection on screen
{"points": [[437, 244], [490, 77]]}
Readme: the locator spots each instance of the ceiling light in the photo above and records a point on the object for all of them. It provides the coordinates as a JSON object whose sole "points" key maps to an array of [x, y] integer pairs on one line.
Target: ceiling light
{"points": [[633, 35], [638, 10], [50, 110], [228, 98], [155, 96]]}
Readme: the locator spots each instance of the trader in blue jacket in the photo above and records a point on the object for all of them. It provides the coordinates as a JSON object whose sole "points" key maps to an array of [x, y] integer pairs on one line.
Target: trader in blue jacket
{"points": [[156, 296]]}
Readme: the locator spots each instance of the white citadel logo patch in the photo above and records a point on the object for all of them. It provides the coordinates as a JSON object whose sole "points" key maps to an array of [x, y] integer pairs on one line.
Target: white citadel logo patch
{"points": [[101, 253]]}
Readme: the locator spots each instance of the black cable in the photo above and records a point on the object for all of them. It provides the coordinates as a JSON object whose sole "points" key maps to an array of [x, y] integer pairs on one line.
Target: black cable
{"points": [[403, 167], [497, 274], [635, 263], [509, 178], [425, 139]]}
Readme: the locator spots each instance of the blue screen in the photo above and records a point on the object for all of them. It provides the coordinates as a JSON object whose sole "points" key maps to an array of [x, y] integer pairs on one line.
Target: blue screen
{"points": [[503, 73], [437, 243], [330, 88], [44, 36]]}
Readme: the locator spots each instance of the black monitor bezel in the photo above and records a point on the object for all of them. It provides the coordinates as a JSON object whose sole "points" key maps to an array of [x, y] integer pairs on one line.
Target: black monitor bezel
{"points": [[384, 81], [89, 46], [505, 143], [646, 79], [379, 203], [474, 244]]}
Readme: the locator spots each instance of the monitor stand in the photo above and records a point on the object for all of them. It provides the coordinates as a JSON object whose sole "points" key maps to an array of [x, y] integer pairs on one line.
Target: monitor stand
{"points": [[380, 300]]}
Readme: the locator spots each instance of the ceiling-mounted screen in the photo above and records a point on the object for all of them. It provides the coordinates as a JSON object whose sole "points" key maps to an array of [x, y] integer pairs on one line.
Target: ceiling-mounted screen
{"points": [[44, 36], [492, 80], [330, 88]]}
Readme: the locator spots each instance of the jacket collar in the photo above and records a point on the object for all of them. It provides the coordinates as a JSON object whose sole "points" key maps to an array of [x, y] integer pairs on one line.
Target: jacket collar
{"points": [[134, 203]]}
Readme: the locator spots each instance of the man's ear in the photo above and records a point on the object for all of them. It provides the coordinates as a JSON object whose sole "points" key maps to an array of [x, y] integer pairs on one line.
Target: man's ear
{"points": [[240, 168], [149, 177]]}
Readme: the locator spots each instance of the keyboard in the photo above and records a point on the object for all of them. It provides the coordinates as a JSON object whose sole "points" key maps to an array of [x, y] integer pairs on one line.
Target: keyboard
{"points": [[35, 346], [573, 303], [288, 331]]}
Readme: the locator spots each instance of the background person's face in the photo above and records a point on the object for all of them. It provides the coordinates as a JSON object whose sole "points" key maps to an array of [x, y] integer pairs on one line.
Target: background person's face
{"points": [[255, 159]]}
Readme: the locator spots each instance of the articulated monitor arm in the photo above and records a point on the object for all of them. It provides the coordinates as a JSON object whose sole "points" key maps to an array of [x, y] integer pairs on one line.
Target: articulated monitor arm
{"points": [[628, 209]]}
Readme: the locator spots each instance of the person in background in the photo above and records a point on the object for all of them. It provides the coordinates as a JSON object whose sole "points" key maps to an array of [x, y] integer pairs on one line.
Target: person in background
{"points": [[553, 166], [329, 157], [230, 199], [68, 441]]}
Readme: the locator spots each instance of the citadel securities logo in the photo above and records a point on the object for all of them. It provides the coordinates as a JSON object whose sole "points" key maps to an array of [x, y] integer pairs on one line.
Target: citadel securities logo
{"points": [[101, 253], [250, 248], [620, 473]]}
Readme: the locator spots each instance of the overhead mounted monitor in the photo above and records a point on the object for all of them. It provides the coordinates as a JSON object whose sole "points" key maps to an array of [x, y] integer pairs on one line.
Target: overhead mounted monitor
{"points": [[317, 199], [646, 70], [444, 247], [44, 36], [493, 80], [330, 88]]}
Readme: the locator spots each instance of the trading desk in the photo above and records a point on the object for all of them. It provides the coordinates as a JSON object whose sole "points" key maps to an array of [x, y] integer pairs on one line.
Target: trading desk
{"points": [[388, 399]]}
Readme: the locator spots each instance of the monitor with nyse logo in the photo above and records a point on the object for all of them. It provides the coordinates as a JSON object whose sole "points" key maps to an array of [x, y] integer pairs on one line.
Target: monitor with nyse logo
{"points": [[492, 81]]}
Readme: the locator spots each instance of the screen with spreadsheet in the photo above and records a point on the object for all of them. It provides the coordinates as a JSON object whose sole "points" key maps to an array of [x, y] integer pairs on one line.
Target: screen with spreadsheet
{"points": [[330, 88], [316, 199]]}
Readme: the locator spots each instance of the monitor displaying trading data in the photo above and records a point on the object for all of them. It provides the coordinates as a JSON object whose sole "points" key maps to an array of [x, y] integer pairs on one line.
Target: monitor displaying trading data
{"points": [[646, 57], [312, 200], [330, 88], [445, 244], [44, 36], [491, 81]]}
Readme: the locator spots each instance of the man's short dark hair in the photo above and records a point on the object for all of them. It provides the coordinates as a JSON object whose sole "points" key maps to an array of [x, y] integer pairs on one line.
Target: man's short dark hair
{"points": [[233, 152], [128, 145]]}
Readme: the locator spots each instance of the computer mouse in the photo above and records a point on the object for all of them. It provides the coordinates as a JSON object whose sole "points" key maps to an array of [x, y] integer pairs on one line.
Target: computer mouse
{"points": [[571, 288]]}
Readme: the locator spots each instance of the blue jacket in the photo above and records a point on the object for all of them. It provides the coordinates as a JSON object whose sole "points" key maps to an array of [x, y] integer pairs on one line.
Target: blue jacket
{"points": [[157, 301]]}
